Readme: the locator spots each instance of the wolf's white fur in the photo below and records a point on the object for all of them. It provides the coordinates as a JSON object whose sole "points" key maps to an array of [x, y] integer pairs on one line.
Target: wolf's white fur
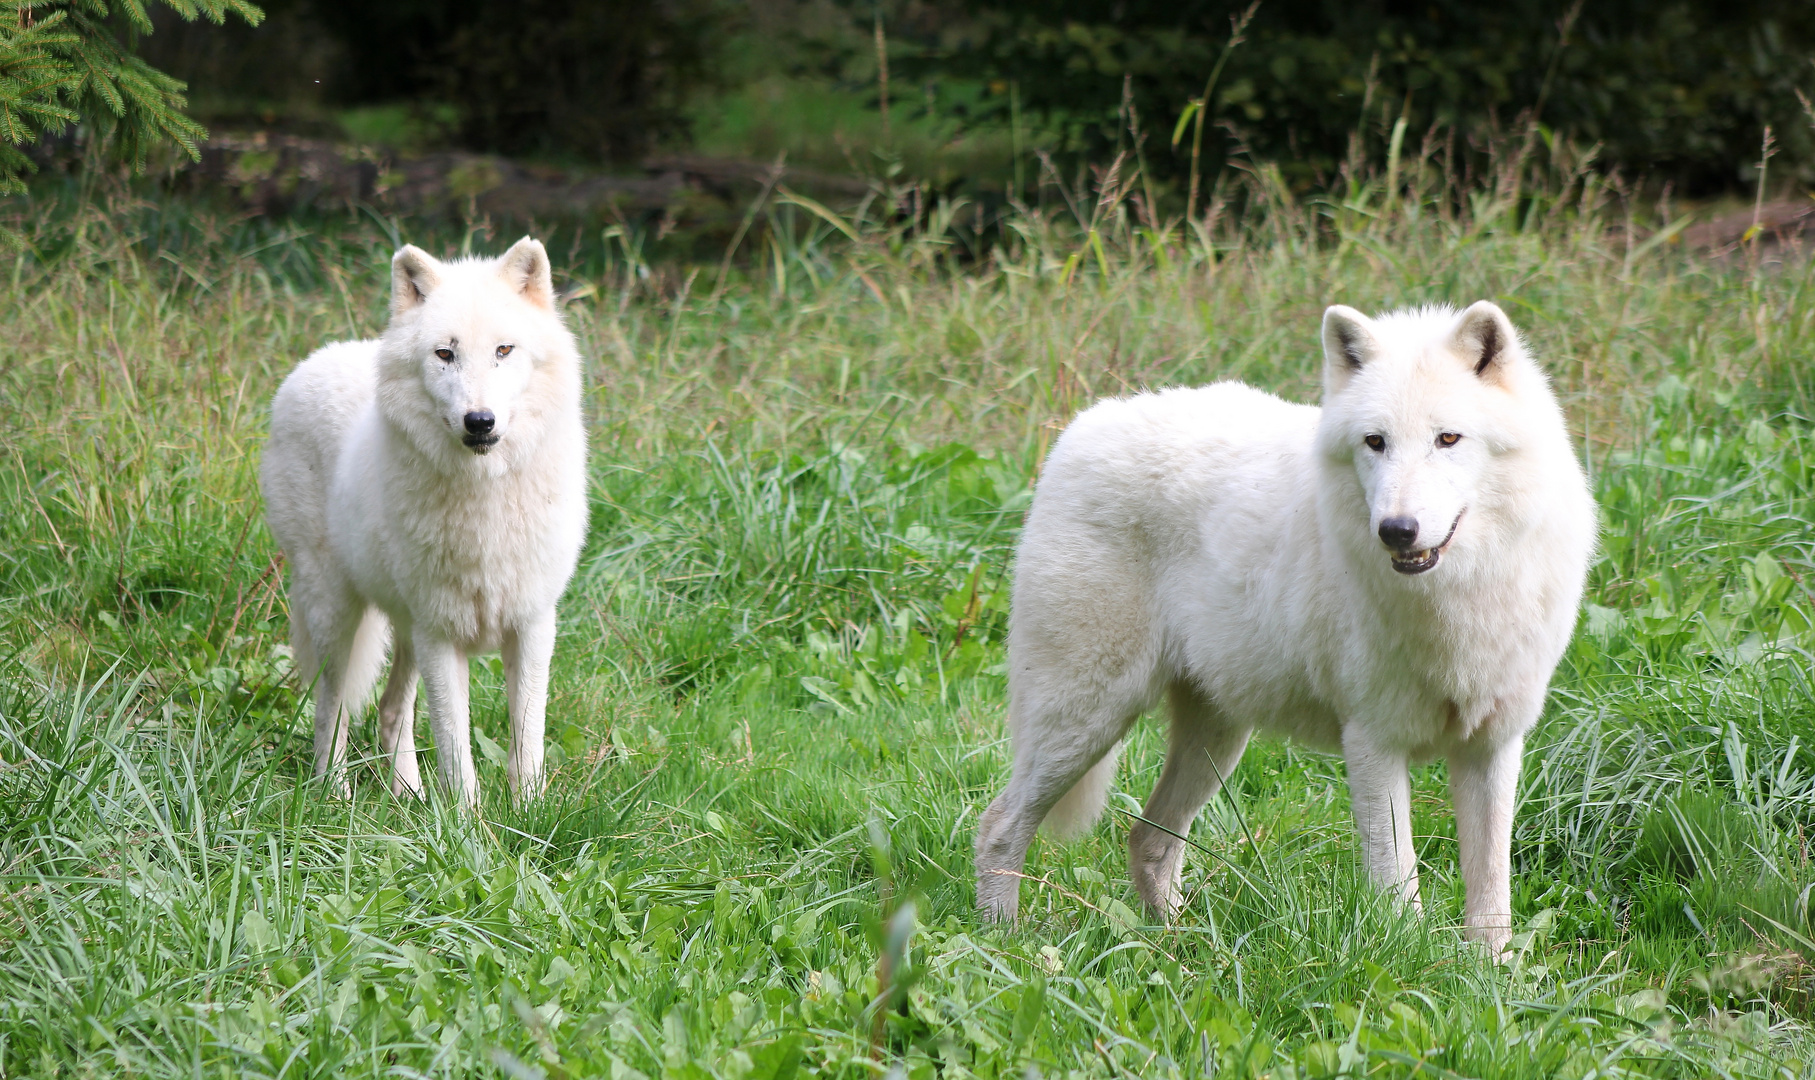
{"points": [[389, 513], [1222, 548]]}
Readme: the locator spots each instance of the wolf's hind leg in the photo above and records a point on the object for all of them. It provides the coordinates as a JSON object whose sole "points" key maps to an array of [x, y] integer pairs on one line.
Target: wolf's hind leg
{"points": [[331, 722], [1204, 750], [397, 718], [348, 645], [1050, 759], [1085, 660]]}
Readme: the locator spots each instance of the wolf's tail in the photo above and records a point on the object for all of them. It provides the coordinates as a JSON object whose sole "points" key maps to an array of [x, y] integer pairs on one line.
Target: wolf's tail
{"points": [[359, 672], [364, 661], [1078, 809]]}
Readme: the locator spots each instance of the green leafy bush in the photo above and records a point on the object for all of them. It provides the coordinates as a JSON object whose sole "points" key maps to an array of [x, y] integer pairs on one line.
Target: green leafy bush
{"points": [[1682, 90], [596, 81]]}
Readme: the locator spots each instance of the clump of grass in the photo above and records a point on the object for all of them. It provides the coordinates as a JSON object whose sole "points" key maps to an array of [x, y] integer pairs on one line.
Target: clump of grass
{"points": [[782, 655], [1691, 835], [828, 124]]}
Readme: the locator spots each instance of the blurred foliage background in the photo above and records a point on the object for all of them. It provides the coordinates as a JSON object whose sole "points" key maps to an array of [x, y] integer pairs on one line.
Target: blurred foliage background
{"points": [[1679, 92], [1682, 90]]}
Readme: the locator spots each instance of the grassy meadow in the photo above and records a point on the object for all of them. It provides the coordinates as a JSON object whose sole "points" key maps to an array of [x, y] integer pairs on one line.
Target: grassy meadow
{"points": [[777, 704]]}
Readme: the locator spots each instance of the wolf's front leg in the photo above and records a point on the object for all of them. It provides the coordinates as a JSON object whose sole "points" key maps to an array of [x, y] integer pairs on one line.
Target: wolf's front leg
{"points": [[444, 678], [527, 650], [1380, 793], [1483, 782]]}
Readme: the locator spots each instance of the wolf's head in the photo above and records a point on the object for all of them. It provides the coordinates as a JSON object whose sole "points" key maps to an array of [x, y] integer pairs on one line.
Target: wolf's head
{"points": [[475, 354], [1424, 411]]}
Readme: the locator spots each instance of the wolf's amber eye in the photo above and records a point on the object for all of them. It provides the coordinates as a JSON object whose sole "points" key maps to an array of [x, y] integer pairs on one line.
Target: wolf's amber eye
{"points": [[445, 354], [504, 351], [1375, 442], [1448, 438]]}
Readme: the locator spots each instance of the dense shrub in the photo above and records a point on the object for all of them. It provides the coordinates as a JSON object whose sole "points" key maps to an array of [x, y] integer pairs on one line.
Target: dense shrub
{"points": [[598, 80], [1680, 89]]}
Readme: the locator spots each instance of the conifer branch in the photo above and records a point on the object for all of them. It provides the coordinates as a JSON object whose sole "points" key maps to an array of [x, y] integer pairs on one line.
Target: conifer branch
{"points": [[64, 62]]}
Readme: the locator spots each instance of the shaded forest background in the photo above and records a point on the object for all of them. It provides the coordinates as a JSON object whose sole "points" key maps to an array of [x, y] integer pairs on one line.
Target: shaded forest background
{"points": [[1679, 92]]}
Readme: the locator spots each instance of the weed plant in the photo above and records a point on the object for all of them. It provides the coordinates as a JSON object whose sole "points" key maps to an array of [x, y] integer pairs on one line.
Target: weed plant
{"points": [[778, 695]]}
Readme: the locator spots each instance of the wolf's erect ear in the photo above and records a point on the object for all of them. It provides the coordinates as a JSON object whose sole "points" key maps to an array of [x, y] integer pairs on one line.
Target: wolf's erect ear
{"points": [[414, 274], [1348, 338], [1485, 339], [525, 266], [1349, 344]]}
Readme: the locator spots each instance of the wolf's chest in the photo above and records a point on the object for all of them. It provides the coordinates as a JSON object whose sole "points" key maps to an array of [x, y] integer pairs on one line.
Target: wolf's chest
{"points": [[481, 564]]}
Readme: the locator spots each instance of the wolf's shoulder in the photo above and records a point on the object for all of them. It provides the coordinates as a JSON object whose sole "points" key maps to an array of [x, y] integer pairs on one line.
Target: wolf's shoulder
{"points": [[334, 375], [339, 362], [1160, 461], [1224, 412], [1182, 444]]}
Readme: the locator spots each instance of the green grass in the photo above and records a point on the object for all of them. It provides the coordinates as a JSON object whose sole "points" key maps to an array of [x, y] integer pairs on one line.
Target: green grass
{"points": [[777, 705], [835, 126]]}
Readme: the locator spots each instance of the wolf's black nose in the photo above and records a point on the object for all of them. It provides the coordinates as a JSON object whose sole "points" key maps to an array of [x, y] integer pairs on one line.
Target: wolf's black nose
{"points": [[480, 421], [1397, 533]]}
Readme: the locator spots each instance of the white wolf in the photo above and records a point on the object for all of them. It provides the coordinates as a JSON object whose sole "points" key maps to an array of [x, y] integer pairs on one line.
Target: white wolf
{"points": [[434, 479], [1395, 576]]}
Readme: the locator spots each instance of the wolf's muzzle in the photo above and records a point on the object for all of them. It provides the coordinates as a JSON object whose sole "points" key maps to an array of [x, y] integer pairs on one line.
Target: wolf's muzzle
{"points": [[1417, 562], [479, 424]]}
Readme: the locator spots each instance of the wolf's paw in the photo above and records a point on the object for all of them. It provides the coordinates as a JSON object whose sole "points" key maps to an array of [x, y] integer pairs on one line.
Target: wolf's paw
{"points": [[1156, 862], [1495, 936], [998, 895], [1162, 897]]}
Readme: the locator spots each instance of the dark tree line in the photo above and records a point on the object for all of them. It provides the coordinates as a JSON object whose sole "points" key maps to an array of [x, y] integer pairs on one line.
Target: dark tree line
{"points": [[598, 80], [1677, 89]]}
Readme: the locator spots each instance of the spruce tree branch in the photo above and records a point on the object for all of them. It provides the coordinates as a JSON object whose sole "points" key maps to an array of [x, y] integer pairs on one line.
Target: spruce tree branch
{"points": [[62, 63]]}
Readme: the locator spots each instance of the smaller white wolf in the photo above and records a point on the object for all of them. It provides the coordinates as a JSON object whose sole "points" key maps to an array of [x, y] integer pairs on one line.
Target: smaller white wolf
{"points": [[433, 481], [1393, 576]]}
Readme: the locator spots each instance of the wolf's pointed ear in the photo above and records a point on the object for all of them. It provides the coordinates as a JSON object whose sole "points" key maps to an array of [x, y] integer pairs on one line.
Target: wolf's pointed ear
{"points": [[1349, 345], [525, 266], [1484, 338], [414, 274]]}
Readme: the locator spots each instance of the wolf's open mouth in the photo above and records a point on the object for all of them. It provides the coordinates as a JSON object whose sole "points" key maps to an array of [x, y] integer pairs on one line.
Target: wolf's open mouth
{"points": [[1417, 562], [479, 444]]}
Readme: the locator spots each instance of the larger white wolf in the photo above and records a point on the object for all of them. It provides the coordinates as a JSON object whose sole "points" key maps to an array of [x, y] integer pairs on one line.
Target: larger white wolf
{"points": [[433, 480], [1394, 576]]}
